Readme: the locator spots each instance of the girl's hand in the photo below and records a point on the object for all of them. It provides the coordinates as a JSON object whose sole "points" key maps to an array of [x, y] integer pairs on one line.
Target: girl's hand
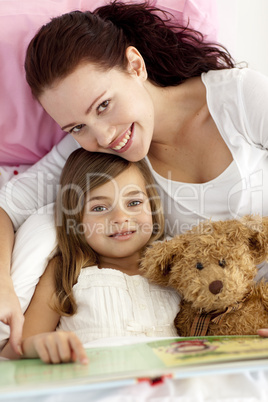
{"points": [[263, 332], [55, 347]]}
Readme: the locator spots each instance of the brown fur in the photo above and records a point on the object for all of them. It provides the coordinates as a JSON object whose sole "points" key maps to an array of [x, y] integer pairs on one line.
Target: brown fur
{"points": [[229, 252]]}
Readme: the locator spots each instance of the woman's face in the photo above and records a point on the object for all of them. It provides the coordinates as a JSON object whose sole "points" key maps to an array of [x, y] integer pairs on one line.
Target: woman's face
{"points": [[105, 111]]}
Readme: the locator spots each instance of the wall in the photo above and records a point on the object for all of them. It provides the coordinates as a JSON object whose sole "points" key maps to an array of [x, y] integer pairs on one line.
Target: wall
{"points": [[243, 29]]}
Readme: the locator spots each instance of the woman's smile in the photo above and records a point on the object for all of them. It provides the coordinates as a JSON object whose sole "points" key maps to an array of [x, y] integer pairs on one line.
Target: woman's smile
{"points": [[124, 141]]}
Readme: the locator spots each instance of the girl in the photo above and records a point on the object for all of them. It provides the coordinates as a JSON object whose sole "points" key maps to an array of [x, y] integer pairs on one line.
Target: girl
{"points": [[107, 212], [124, 80]]}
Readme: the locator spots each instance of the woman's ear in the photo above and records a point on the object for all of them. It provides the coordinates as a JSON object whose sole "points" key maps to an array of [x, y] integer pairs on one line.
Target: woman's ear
{"points": [[136, 64]]}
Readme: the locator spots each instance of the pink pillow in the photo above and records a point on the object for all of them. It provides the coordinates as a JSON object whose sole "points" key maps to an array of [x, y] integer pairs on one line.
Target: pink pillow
{"points": [[26, 131]]}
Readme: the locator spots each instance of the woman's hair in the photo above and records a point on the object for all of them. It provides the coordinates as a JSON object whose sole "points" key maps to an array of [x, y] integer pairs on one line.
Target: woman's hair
{"points": [[83, 172], [172, 53]]}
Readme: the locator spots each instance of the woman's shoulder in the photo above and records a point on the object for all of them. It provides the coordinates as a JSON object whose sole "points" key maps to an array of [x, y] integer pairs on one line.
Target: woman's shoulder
{"points": [[231, 75], [232, 87]]}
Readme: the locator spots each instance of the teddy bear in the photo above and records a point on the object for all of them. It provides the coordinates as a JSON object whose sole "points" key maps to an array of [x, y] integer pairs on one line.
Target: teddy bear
{"points": [[213, 267]]}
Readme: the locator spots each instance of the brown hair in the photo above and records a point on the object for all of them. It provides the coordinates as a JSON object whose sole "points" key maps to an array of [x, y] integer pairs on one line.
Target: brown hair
{"points": [[83, 172], [172, 53]]}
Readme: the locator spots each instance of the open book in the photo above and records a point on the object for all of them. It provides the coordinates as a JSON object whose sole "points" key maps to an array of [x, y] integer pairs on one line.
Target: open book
{"points": [[148, 361]]}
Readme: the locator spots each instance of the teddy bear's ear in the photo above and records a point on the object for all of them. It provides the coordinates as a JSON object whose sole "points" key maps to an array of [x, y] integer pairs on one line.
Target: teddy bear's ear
{"points": [[257, 232], [157, 261]]}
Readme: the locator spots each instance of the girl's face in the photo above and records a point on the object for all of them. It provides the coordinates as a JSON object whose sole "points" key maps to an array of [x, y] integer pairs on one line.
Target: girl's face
{"points": [[105, 111], [117, 219]]}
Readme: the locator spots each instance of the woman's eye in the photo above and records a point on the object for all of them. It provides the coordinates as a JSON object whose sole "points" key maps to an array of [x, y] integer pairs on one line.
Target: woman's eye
{"points": [[77, 129], [103, 106], [134, 203]]}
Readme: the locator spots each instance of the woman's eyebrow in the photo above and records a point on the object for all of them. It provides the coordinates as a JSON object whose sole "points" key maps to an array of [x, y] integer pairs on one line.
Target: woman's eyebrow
{"points": [[93, 103], [86, 112]]}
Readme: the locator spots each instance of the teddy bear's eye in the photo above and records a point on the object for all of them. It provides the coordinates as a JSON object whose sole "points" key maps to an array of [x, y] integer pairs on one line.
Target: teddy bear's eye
{"points": [[199, 265], [222, 263]]}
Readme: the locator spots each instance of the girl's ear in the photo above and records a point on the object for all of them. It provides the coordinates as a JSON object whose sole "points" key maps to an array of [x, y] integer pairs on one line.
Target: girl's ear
{"points": [[136, 63]]}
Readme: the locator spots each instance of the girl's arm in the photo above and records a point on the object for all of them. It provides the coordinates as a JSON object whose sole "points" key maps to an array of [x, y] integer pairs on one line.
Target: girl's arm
{"points": [[40, 338]]}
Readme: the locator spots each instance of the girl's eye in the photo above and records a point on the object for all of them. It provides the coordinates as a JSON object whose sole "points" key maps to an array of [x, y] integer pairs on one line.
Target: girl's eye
{"points": [[134, 203], [103, 106], [77, 129], [99, 208]]}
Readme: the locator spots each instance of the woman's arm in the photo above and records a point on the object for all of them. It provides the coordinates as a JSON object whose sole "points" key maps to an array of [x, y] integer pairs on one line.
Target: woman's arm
{"points": [[37, 186], [40, 338], [263, 332], [254, 99], [20, 198], [10, 309]]}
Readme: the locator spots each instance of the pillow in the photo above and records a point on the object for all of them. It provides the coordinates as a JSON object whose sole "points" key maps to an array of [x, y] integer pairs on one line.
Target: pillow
{"points": [[27, 132], [199, 14], [34, 243]]}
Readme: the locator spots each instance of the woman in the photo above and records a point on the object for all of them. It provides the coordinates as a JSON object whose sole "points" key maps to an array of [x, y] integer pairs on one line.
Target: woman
{"points": [[124, 81]]}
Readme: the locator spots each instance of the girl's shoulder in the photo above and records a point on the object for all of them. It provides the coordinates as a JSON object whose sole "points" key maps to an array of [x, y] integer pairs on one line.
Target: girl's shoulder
{"points": [[94, 277]]}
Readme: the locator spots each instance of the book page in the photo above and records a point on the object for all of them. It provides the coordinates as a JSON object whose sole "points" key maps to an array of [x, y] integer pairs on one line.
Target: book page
{"points": [[117, 365]]}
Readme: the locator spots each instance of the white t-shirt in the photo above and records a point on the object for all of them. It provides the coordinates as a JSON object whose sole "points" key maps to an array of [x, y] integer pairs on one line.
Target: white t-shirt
{"points": [[238, 103], [114, 304]]}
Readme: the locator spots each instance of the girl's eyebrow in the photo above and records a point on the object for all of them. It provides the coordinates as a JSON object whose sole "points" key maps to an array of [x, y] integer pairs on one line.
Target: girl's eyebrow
{"points": [[87, 111], [135, 192], [97, 198], [128, 194]]}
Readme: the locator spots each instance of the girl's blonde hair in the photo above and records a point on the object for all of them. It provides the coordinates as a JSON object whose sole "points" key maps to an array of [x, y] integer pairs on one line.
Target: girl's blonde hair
{"points": [[83, 172]]}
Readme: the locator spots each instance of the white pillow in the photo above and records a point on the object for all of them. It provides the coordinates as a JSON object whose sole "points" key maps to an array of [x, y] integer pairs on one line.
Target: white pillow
{"points": [[34, 243]]}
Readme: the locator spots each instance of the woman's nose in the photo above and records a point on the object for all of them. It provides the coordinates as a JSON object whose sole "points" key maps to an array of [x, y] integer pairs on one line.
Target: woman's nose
{"points": [[104, 135]]}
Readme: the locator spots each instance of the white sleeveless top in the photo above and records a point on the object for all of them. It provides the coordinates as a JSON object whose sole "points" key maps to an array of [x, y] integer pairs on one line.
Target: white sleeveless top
{"points": [[114, 304]]}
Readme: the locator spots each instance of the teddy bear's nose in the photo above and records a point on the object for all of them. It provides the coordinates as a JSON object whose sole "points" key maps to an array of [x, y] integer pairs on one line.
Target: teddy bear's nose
{"points": [[215, 287]]}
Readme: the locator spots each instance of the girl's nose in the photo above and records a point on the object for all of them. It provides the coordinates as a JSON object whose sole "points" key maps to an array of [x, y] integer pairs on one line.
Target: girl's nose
{"points": [[119, 216]]}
